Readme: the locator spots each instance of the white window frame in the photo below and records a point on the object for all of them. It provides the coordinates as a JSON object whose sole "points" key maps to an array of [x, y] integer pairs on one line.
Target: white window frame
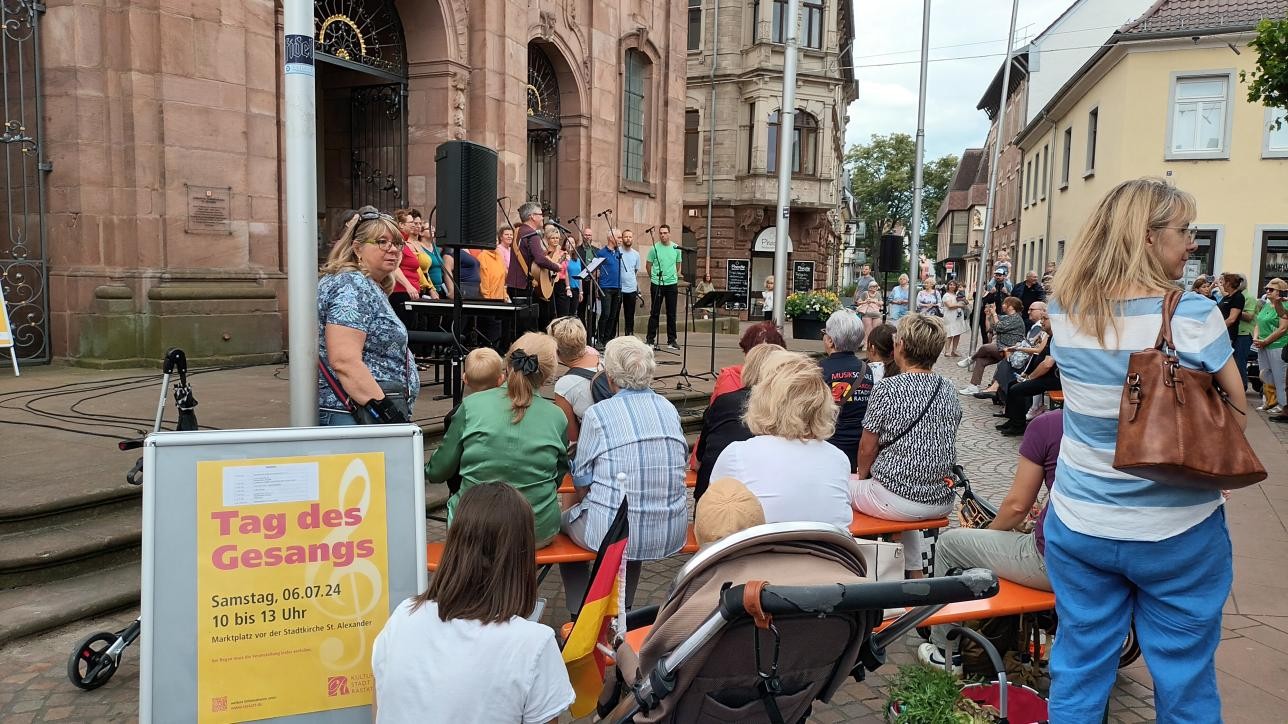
{"points": [[1046, 162], [1266, 150], [1222, 153]]}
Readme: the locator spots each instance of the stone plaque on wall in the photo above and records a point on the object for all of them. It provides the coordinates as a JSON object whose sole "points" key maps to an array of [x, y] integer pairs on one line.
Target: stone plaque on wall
{"points": [[209, 209]]}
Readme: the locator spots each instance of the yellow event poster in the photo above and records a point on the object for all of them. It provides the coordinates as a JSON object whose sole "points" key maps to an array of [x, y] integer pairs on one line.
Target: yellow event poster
{"points": [[6, 336], [292, 584]]}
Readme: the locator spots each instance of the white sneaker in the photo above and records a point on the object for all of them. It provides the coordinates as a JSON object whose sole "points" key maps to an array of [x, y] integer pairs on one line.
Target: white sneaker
{"points": [[1275, 410], [1261, 407], [964, 362], [969, 390], [1032, 415], [930, 655]]}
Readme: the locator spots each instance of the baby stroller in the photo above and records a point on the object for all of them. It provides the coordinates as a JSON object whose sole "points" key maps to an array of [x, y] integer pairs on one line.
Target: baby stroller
{"points": [[98, 656], [761, 624]]}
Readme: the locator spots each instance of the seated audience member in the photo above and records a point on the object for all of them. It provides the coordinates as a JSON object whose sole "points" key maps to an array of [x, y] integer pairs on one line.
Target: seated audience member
{"points": [[1040, 375], [881, 353], [727, 509], [910, 437], [483, 370], [1015, 358], [573, 391], [730, 378], [1010, 554], [849, 379], [632, 446], [510, 433], [790, 466], [1007, 331], [464, 651], [722, 422]]}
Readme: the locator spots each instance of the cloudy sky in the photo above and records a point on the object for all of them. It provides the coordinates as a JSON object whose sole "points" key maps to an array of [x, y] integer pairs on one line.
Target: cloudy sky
{"points": [[886, 57]]}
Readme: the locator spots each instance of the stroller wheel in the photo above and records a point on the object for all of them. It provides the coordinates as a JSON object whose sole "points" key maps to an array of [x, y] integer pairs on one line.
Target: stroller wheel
{"points": [[1131, 648], [89, 666]]}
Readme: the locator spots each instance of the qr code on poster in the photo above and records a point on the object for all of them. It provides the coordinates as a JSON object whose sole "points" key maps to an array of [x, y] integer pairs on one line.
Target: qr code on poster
{"points": [[219, 704]]}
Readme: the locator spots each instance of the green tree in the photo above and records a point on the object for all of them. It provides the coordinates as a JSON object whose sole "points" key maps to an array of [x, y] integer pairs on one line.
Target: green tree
{"points": [[1268, 82], [881, 180]]}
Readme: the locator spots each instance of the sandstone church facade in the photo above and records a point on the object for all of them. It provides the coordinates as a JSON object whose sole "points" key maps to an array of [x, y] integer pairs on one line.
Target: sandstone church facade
{"points": [[161, 143]]}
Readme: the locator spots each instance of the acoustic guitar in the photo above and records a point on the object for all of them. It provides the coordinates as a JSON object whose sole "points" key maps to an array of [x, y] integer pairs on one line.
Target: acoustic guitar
{"points": [[543, 280]]}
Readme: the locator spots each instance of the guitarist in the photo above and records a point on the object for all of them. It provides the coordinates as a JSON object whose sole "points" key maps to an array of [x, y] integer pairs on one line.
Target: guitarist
{"points": [[529, 265]]}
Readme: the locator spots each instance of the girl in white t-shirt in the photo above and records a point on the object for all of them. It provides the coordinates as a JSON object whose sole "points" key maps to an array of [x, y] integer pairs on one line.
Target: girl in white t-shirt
{"points": [[463, 651]]}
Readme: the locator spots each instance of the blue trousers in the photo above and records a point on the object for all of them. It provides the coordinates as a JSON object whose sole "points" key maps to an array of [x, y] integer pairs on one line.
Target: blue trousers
{"points": [[1175, 589], [1242, 350]]}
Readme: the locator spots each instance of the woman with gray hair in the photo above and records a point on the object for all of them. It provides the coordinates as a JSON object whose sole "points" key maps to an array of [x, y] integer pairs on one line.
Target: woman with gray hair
{"points": [[631, 447], [849, 379]]}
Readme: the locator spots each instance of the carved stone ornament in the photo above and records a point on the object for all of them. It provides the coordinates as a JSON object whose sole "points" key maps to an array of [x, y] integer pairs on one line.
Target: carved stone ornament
{"points": [[547, 24], [752, 219], [460, 89]]}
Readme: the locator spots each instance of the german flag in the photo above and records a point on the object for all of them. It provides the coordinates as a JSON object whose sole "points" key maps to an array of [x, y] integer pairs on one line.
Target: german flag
{"points": [[604, 601]]}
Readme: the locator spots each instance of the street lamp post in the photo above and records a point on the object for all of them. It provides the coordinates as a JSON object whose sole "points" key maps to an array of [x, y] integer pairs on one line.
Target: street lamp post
{"points": [[301, 211], [914, 245], [787, 123]]}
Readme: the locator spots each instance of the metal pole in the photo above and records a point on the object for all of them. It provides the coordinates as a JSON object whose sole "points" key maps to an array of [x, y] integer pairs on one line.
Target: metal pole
{"points": [[301, 211], [914, 245], [711, 127], [786, 123], [992, 181]]}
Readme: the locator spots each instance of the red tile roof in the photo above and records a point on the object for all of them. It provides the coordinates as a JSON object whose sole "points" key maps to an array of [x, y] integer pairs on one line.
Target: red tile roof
{"points": [[1168, 16]]}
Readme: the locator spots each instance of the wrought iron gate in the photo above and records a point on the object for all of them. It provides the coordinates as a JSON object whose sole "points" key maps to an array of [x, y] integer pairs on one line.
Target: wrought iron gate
{"points": [[23, 273], [378, 129]]}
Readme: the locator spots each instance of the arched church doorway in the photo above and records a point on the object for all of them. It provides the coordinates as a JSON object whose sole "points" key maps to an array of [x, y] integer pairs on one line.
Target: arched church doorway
{"points": [[361, 106], [544, 128]]}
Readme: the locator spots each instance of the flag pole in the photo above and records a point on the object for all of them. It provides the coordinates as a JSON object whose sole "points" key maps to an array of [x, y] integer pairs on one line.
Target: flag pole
{"points": [[992, 181], [918, 183]]}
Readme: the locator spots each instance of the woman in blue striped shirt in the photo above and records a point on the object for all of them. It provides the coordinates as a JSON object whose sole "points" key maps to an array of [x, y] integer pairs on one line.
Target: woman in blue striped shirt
{"points": [[1119, 546]]}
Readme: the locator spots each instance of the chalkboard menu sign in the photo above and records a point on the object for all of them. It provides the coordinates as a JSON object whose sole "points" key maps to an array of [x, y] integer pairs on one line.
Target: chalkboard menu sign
{"points": [[738, 274], [803, 276]]}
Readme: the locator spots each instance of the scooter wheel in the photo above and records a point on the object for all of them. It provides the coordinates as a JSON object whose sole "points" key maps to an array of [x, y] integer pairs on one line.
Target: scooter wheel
{"points": [[89, 667]]}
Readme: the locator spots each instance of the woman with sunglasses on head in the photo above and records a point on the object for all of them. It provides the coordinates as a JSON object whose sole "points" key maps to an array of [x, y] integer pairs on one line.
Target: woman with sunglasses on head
{"points": [[464, 650], [362, 343]]}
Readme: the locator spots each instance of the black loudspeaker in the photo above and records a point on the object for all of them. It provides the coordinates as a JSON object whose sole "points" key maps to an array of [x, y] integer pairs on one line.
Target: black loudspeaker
{"points": [[466, 197], [890, 255]]}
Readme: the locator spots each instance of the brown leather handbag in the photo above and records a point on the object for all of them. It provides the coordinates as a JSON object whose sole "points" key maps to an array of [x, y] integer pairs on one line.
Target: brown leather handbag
{"points": [[1175, 426]]}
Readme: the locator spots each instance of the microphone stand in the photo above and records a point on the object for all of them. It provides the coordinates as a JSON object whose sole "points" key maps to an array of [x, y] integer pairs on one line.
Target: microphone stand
{"points": [[515, 249], [589, 287]]}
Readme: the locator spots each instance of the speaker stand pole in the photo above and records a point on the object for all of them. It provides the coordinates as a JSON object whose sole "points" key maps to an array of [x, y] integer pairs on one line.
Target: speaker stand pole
{"points": [[686, 378], [458, 320]]}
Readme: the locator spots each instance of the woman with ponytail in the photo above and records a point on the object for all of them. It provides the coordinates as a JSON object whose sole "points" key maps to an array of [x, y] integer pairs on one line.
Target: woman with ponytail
{"points": [[511, 434]]}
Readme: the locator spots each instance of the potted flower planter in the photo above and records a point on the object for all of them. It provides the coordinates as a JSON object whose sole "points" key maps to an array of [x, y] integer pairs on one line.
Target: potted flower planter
{"points": [[807, 326]]}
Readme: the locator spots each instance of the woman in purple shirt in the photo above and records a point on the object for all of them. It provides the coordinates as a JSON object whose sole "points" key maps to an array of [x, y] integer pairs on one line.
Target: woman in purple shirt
{"points": [[1010, 554]]}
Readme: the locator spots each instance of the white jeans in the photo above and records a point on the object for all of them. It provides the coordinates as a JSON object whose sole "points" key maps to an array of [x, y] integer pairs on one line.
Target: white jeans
{"points": [[1271, 362], [870, 497]]}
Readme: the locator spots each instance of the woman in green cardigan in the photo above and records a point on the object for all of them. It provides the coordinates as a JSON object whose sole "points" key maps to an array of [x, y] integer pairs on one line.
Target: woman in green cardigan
{"points": [[511, 434]]}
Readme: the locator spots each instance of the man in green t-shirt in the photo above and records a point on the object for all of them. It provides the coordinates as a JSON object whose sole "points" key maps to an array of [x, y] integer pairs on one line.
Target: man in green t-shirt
{"points": [[663, 267]]}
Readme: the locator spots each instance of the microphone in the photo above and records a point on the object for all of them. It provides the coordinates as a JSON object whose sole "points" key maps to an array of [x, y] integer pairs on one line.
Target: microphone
{"points": [[603, 213], [558, 226], [499, 199], [649, 230], [574, 219]]}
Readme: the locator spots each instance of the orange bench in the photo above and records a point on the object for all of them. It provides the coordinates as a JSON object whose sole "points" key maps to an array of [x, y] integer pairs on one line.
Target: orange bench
{"points": [[560, 550], [1011, 599], [861, 526], [690, 481], [1055, 399]]}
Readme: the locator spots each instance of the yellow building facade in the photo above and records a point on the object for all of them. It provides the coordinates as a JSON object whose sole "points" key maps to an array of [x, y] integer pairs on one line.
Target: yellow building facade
{"points": [[1169, 107]]}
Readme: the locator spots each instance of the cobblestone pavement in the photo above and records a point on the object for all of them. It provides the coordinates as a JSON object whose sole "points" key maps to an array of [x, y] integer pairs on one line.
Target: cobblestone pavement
{"points": [[34, 687]]}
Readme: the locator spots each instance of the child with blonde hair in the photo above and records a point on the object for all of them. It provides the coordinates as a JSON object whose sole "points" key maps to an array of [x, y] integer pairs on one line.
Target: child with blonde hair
{"points": [[483, 370]]}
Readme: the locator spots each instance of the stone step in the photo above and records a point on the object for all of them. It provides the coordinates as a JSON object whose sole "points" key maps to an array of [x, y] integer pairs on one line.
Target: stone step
{"points": [[32, 609], [74, 544]]}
